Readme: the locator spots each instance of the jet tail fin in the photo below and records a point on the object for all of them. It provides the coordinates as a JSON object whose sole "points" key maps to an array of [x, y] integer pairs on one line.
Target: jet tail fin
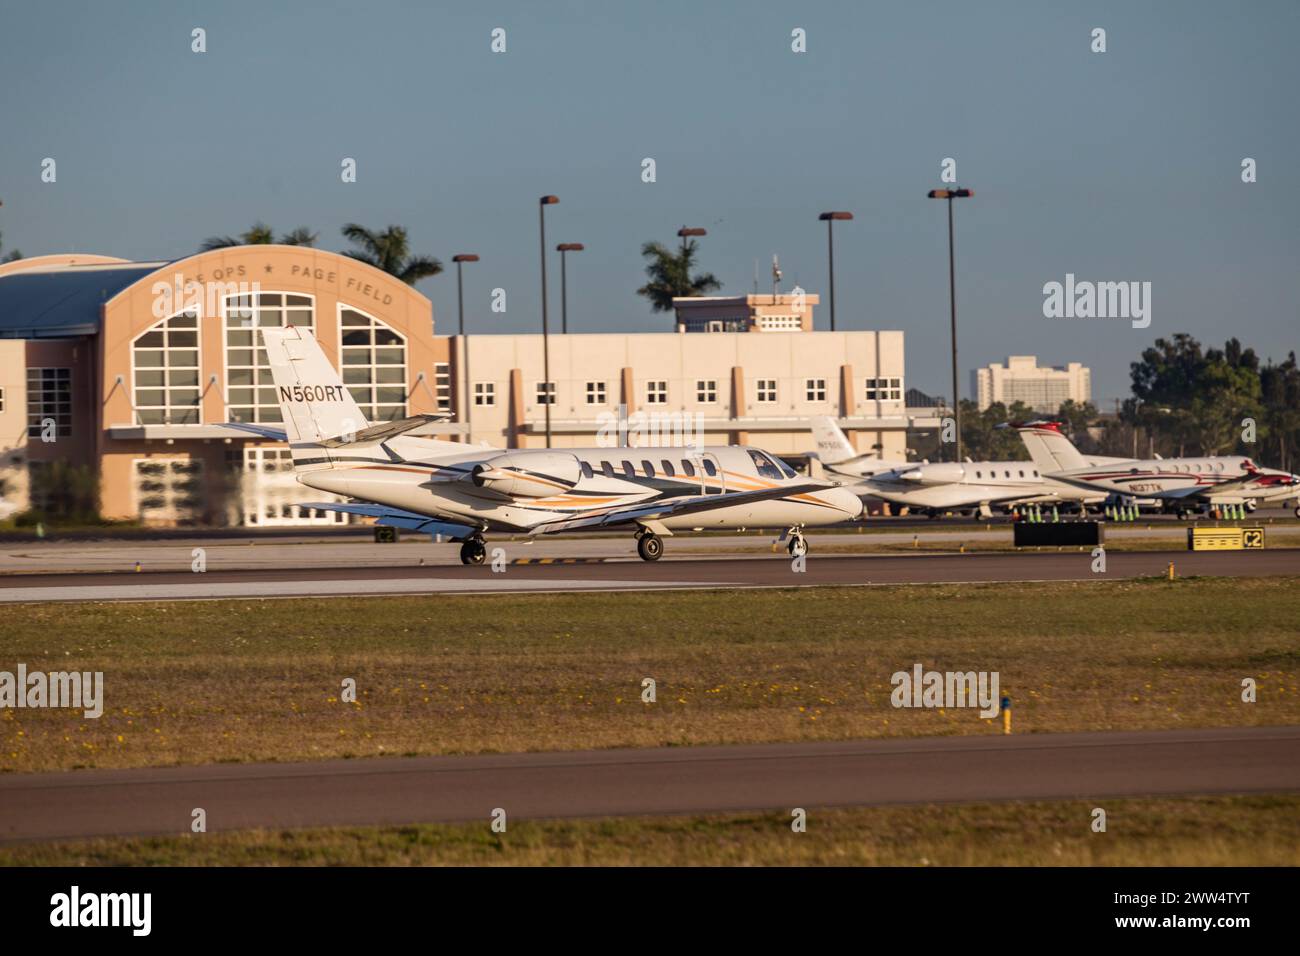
{"points": [[832, 445], [314, 403], [1051, 451]]}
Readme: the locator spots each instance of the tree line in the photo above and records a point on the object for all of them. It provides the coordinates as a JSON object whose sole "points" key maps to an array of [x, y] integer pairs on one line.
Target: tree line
{"points": [[1186, 400]]}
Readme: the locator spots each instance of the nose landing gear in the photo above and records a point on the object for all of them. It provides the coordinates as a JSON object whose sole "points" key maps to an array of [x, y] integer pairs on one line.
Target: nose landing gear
{"points": [[798, 545]]}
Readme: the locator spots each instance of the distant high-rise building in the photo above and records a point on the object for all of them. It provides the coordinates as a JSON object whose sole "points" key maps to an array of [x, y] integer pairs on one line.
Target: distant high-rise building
{"points": [[1022, 379]]}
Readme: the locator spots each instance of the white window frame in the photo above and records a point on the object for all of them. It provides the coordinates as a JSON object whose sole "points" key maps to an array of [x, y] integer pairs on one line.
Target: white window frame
{"points": [[371, 406], [597, 392], [61, 430], [166, 368], [544, 393], [815, 389], [765, 391], [257, 407], [706, 391], [656, 391], [485, 394]]}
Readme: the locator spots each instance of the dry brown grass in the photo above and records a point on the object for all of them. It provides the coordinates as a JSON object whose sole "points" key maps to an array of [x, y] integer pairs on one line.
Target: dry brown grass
{"points": [[248, 680]]}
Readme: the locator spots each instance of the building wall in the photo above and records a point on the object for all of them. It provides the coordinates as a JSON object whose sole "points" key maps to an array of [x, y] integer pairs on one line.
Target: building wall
{"points": [[628, 363]]}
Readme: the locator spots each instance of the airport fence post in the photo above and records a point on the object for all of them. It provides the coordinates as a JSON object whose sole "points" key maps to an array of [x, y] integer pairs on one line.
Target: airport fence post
{"points": [[1006, 714]]}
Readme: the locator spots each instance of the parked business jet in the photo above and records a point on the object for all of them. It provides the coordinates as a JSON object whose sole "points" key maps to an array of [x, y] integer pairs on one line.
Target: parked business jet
{"points": [[464, 492], [840, 460], [1178, 484], [936, 487]]}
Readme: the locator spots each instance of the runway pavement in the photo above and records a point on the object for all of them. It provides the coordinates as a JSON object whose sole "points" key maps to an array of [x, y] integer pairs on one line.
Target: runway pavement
{"points": [[391, 791], [683, 573]]}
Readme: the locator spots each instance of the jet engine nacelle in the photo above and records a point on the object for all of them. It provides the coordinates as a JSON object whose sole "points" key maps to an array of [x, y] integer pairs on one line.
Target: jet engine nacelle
{"points": [[532, 475], [938, 473]]}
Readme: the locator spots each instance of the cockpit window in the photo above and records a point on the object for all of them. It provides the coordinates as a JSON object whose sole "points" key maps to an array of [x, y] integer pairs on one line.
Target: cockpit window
{"points": [[766, 466]]}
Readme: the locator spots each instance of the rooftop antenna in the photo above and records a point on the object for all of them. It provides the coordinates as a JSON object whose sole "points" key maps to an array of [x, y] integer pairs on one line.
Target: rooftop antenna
{"points": [[776, 278], [755, 277]]}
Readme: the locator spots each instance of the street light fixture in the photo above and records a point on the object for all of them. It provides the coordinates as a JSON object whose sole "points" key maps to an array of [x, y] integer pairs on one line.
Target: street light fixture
{"points": [[950, 195], [830, 218], [563, 249], [459, 259], [547, 392]]}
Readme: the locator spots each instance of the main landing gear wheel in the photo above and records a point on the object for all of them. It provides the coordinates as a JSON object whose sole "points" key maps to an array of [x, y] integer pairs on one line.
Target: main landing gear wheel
{"points": [[798, 546], [650, 546], [473, 551]]}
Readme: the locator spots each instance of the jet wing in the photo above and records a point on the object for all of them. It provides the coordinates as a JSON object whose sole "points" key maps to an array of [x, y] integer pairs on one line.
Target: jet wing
{"points": [[384, 431], [672, 507], [396, 518], [264, 431]]}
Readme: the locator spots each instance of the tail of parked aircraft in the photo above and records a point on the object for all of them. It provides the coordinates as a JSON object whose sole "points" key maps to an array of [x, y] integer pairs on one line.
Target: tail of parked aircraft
{"points": [[832, 445], [322, 421], [1049, 448]]}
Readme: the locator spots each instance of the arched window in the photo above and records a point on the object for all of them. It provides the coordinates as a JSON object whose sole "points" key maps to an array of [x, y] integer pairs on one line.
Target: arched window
{"points": [[250, 391], [373, 359], [165, 372]]}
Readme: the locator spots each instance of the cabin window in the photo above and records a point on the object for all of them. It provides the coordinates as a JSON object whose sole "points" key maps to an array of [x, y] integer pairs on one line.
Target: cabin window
{"points": [[979, 474], [647, 468], [607, 469], [688, 469], [669, 471], [628, 470], [586, 470], [709, 468]]}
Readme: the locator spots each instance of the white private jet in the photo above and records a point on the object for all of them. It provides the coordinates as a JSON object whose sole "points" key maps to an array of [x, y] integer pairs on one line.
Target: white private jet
{"points": [[936, 487], [1177, 484], [425, 484]]}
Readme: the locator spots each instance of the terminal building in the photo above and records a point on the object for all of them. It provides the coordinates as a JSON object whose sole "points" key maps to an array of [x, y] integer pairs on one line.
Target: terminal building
{"points": [[128, 372], [1042, 388]]}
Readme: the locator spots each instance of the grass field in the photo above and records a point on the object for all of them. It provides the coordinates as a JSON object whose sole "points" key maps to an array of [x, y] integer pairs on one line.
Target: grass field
{"points": [[201, 682], [1197, 831]]}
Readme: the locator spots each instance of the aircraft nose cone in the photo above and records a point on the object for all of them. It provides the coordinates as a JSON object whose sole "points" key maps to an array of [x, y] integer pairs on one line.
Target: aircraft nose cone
{"points": [[847, 502]]}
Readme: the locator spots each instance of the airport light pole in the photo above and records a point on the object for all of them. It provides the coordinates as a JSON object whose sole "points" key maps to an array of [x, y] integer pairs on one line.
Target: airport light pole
{"points": [[950, 195], [547, 391], [460, 259], [830, 218], [564, 249]]}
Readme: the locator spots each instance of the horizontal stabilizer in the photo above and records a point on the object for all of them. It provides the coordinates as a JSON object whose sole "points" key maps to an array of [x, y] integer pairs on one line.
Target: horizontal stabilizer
{"points": [[384, 431], [262, 431]]}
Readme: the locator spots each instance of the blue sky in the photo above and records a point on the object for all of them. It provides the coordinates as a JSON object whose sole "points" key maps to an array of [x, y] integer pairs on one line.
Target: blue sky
{"points": [[1123, 165]]}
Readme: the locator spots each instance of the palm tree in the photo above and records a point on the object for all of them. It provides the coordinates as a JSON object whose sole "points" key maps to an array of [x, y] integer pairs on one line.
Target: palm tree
{"points": [[390, 251], [261, 235], [15, 254], [670, 275]]}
